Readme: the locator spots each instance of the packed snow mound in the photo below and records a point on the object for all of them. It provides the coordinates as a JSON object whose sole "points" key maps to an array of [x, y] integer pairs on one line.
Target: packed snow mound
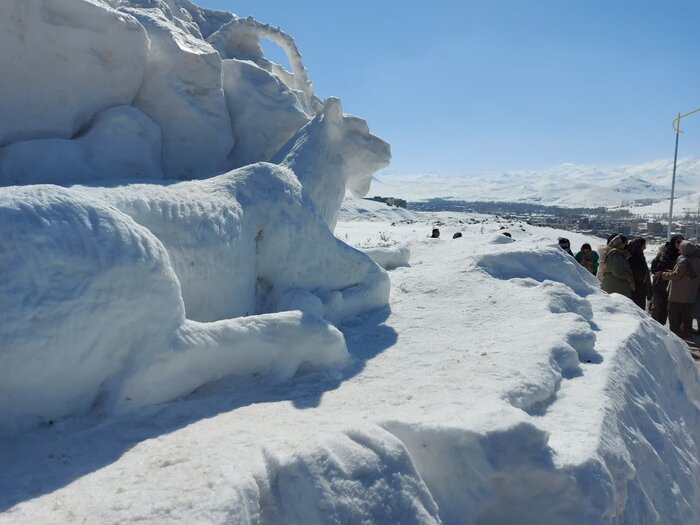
{"points": [[197, 75], [541, 400], [332, 153], [390, 257], [63, 61], [121, 143], [101, 304]]}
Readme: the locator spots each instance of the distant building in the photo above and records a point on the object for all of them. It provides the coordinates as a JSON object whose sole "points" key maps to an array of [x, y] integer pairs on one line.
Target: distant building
{"points": [[655, 228]]}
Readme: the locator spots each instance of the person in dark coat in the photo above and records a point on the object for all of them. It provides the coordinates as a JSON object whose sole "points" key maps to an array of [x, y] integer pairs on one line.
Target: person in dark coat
{"points": [[565, 245], [640, 272], [664, 261], [683, 290]]}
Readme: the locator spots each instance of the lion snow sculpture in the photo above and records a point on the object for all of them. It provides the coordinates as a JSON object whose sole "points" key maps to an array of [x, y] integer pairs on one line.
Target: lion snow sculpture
{"points": [[119, 297]]}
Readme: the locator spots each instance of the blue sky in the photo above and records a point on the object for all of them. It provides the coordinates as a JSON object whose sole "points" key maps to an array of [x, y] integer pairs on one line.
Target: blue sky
{"points": [[492, 85]]}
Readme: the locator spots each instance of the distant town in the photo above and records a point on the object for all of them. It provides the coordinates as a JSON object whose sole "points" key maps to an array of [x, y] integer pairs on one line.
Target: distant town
{"points": [[592, 221]]}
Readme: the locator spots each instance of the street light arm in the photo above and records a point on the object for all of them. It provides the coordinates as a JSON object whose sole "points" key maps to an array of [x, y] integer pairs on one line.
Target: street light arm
{"points": [[677, 120], [677, 127]]}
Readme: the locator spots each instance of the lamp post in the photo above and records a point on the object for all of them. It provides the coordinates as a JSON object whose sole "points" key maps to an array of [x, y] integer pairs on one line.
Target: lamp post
{"points": [[677, 127]]}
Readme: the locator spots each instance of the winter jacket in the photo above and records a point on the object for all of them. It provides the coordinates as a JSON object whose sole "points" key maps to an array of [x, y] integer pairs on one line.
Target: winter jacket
{"points": [[590, 263], [664, 261], [617, 276], [640, 271], [642, 279], [683, 287], [601, 262]]}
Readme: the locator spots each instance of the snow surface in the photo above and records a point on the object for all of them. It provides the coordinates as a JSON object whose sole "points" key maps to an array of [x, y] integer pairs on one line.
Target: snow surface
{"points": [[567, 185], [503, 387]]}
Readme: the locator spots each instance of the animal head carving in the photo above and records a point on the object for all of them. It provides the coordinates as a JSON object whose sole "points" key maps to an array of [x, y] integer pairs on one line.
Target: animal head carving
{"points": [[334, 153]]}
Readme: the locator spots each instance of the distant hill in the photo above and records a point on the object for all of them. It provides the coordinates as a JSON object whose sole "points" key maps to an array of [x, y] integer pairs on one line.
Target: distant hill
{"points": [[567, 185]]}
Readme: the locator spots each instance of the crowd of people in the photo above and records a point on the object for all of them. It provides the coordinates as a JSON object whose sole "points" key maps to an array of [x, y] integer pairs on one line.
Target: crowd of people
{"points": [[669, 290]]}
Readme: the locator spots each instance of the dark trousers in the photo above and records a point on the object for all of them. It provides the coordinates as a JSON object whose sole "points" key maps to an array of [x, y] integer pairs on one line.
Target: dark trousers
{"points": [[680, 318], [659, 309]]}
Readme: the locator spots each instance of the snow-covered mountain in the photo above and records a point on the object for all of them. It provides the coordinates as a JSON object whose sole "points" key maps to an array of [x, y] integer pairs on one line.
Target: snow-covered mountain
{"points": [[566, 185]]}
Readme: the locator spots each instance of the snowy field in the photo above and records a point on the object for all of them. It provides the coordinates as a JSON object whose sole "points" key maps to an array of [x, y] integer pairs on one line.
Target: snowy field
{"points": [[501, 387]]}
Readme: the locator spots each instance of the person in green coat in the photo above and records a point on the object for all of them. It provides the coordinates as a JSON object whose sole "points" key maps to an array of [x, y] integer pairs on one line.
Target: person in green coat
{"points": [[618, 277], [587, 258]]}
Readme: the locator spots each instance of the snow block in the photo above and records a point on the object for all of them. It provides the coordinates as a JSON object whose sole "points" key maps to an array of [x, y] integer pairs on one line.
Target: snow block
{"points": [[332, 153], [121, 143], [182, 92], [390, 257], [62, 62]]}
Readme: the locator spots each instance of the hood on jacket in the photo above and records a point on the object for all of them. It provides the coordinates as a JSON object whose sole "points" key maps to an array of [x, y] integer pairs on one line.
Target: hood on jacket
{"points": [[688, 249], [669, 248], [636, 247], [617, 242]]}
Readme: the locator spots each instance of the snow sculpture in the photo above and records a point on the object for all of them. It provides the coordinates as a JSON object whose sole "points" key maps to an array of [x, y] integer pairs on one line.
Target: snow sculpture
{"points": [[143, 291], [331, 153], [240, 38], [264, 112], [247, 242], [62, 62], [122, 142], [182, 92], [93, 316]]}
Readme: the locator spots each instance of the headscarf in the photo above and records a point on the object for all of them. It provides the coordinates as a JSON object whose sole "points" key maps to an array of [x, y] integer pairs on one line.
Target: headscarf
{"points": [[687, 249]]}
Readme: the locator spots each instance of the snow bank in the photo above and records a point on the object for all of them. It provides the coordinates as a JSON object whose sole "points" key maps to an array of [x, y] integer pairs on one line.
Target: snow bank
{"points": [[389, 257], [62, 62], [96, 317]]}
